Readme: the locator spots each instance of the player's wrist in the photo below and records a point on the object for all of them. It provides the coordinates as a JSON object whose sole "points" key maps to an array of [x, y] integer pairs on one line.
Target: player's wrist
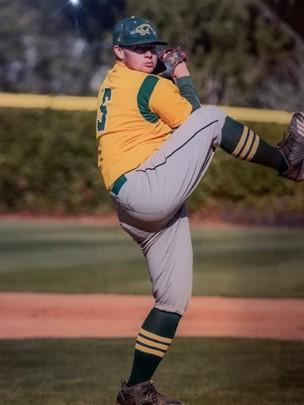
{"points": [[181, 70]]}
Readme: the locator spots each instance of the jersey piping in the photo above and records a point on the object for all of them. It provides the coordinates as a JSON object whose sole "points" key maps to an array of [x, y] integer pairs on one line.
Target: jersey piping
{"points": [[143, 99]]}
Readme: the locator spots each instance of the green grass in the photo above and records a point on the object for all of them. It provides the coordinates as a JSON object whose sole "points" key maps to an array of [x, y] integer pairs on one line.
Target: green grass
{"points": [[69, 257], [197, 371]]}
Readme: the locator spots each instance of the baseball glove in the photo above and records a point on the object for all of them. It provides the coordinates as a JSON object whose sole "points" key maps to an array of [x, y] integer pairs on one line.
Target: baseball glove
{"points": [[171, 57], [292, 148]]}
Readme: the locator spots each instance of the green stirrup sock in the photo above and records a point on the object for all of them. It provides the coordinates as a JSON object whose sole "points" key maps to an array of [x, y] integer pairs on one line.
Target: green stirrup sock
{"points": [[243, 143], [152, 343]]}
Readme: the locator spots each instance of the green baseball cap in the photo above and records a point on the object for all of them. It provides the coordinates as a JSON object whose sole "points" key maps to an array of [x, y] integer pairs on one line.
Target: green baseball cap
{"points": [[135, 31]]}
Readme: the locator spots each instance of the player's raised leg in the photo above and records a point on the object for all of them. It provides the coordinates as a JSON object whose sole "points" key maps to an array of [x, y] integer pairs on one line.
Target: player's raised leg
{"points": [[287, 158]]}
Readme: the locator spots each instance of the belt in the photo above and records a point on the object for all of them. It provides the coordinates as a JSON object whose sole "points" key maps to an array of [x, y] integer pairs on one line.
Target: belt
{"points": [[118, 184]]}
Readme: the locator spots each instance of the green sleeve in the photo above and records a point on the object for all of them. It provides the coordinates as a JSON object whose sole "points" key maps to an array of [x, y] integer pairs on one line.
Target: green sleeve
{"points": [[187, 90]]}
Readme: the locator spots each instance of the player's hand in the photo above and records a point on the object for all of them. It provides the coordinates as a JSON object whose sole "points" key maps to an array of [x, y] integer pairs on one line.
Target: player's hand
{"points": [[181, 70], [171, 58]]}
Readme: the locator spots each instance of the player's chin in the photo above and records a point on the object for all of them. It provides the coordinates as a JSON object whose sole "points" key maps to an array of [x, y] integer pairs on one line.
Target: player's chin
{"points": [[148, 68]]}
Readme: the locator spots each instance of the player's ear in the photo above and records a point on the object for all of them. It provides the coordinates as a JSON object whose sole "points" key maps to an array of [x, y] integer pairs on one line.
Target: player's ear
{"points": [[119, 52]]}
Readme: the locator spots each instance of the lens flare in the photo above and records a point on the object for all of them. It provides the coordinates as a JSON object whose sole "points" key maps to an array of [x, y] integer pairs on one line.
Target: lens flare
{"points": [[74, 2]]}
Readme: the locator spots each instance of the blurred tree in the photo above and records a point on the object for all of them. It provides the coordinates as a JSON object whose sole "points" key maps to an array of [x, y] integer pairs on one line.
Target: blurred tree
{"points": [[290, 11], [54, 47], [246, 52], [241, 53], [283, 83]]}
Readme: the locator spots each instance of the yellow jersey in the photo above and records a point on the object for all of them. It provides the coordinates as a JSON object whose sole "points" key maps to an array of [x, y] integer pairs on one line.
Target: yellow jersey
{"points": [[136, 114]]}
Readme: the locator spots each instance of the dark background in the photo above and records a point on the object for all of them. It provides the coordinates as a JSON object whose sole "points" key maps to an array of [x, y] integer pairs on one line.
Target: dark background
{"points": [[243, 53]]}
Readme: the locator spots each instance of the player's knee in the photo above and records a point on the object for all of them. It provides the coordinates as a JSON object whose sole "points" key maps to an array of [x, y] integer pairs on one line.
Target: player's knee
{"points": [[176, 303], [216, 116], [177, 308], [214, 112]]}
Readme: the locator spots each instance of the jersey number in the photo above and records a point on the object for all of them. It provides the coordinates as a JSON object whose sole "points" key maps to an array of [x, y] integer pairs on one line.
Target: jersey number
{"points": [[103, 109]]}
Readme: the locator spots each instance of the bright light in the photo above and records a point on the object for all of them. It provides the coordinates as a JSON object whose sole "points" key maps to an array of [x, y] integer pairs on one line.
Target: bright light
{"points": [[74, 2]]}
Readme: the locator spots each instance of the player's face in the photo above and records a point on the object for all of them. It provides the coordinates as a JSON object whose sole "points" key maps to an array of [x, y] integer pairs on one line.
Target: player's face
{"points": [[139, 57]]}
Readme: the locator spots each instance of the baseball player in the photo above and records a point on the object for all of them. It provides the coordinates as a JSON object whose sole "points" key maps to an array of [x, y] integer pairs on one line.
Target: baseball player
{"points": [[155, 143]]}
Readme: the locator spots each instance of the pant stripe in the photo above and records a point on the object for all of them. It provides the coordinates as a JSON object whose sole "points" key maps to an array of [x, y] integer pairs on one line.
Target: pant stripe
{"points": [[158, 338], [153, 340], [169, 155], [253, 148], [242, 142], [152, 343], [247, 145], [149, 350]]}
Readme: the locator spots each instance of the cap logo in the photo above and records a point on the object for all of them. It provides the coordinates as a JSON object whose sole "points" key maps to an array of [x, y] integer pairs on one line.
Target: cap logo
{"points": [[144, 29]]}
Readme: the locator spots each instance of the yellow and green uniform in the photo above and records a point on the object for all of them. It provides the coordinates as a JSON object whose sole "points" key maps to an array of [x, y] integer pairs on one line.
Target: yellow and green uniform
{"points": [[150, 171], [134, 117]]}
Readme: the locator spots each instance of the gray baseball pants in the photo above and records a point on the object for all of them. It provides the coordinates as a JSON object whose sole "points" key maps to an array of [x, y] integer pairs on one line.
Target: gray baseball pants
{"points": [[151, 205]]}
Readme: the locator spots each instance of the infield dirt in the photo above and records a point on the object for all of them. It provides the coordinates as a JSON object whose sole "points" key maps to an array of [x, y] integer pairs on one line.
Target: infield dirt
{"points": [[28, 315]]}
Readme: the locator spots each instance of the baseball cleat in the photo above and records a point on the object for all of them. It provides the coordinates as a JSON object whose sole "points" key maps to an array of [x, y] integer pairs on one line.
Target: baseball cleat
{"points": [[292, 148], [142, 393]]}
